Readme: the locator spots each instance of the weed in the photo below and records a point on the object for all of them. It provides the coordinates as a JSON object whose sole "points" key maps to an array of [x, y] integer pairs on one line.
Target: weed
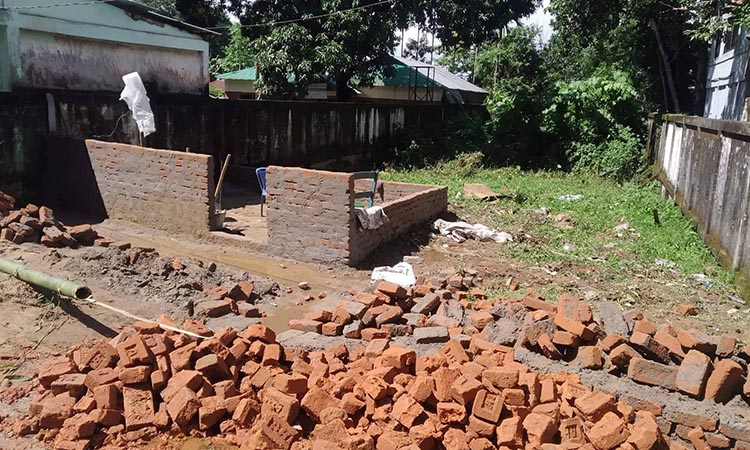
{"points": [[639, 246]]}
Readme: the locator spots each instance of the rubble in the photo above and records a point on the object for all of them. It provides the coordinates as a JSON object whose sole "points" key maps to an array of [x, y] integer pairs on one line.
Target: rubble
{"points": [[38, 225]]}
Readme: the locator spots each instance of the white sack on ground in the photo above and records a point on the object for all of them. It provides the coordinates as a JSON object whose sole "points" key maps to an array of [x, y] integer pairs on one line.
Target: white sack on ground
{"points": [[134, 94], [401, 274], [371, 218], [461, 231]]}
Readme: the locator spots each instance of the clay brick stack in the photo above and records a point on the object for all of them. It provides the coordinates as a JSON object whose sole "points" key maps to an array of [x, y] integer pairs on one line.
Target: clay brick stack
{"points": [[38, 224], [253, 392], [431, 312], [220, 301], [628, 344]]}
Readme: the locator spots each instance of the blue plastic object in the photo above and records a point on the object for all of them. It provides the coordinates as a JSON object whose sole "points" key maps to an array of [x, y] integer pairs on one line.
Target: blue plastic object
{"points": [[260, 172]]}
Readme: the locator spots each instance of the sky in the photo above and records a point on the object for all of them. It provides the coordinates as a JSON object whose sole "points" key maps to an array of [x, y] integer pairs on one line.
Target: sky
{"points": [[540, 18]]}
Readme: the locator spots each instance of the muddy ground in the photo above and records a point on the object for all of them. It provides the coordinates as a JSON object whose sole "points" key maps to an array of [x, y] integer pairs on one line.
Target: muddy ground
{"points": [[37, 324]]}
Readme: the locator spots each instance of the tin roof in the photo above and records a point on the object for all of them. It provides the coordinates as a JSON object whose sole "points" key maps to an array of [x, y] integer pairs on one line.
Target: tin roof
{"points": [[156, 15], [441, 76]]}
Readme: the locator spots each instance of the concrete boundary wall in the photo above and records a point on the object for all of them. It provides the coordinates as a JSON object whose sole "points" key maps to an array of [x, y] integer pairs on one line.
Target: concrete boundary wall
{"points": [[311, 215], [704, 164], [163, 189]]}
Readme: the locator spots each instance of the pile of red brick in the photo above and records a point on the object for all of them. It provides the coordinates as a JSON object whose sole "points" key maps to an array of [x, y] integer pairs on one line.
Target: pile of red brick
{"points": [[432, 312], [255, 393], [628, 344], [235, 300], [38, 224], [687, 361]]}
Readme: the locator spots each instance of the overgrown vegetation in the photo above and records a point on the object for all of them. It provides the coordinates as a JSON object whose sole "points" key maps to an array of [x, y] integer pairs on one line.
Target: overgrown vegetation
{"points": [[636, 246]]}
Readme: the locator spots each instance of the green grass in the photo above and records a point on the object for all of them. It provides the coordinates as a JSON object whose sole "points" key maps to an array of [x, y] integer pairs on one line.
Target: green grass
{"points": [[593, 237]]}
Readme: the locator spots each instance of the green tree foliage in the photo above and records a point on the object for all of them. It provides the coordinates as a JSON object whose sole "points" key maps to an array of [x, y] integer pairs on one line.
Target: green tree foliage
{"points": [[352, 42], [418, 50], [236, 55], [202, 13]]}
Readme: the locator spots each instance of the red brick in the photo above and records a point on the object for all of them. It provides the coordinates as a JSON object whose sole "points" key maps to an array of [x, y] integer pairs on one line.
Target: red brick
{"points": [[590, 357], [449, 412], [292, 384], [399, 358], [99, 356], [272, 355], [725, 381], [406, 410], [539, 428], [276, 402], [739, 430], [498, 378], [186, 378], [316, 400], [621, 356], [646, 433], [726, 346], [571, 432], [650, 347], [488, 406], [611, 341], [246, 411], [375, 387], [213, 308], [180, 358], [321, 316], [515, 397], [509, 432], [573, 326], [139, 407], [351, 404], [133, 352], [55, 410], [665, 339], [376, 347], [210, 412], [107, 396], [331, 329], [444, 378], [653, 373], [212, 367], [260, 332], [608, 433], [422, 387], [368, 299], [698, 440], [52, 371], [134, 375], [535, 302], [242, 291], [369, 334], [481, 319], [565, 338], [548, 347], [157, 343], [693, 373], [694, 419], [595, 405], [687, 310], [465, 389], [106, 417], [696, 340], [391, 289]]}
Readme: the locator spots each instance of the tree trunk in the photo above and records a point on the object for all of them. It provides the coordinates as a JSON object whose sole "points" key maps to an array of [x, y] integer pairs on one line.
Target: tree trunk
{"points": [[701, 61], [343, 93], [667, 69]]}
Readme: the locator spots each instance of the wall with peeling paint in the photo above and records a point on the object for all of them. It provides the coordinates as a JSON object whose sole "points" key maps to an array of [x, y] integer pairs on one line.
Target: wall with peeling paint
{"points": [[90, 46]]}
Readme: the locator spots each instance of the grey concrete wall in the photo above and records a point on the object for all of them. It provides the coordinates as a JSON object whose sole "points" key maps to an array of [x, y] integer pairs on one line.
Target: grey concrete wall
{"points": [[705, 165], [64, 62], [166, 190]]}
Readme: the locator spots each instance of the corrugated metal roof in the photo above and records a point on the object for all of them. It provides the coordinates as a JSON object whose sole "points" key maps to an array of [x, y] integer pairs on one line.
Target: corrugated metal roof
{"points": [[156, 15], [249, 74], [442, 76]]}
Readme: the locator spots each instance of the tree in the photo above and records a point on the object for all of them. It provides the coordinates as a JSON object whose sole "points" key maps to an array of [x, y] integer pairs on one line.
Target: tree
{"points": [[201, 13], [647, 39], [351, 41], [417, 49], [236, 55]]}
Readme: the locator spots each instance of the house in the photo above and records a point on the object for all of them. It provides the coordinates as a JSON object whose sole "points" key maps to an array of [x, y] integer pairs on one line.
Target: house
{"points": [[240, 85], [422, 82], [89, 46], [727, 76], [411, 81]]}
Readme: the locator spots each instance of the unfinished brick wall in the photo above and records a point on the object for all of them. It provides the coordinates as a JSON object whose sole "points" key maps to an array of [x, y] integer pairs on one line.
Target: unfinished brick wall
{"points": [[409, 205], [309, 214], [163, 189]]}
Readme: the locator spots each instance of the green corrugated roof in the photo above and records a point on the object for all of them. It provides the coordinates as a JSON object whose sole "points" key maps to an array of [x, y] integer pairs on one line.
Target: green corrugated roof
{"points": [[404, 76], [249, 74]]}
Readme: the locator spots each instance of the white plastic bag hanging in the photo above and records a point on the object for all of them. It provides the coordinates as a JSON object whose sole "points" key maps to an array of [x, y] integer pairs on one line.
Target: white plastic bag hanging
{"points": [[134, 94]]}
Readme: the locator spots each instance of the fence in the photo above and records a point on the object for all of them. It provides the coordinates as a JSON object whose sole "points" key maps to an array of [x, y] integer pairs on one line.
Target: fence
{"points": [[705, 166], [309, 134]]}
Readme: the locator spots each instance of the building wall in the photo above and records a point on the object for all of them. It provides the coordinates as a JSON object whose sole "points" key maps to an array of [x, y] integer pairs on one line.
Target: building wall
{"points": [[166, 190], [395, 93], [727, 79], [309, 214], [411, 205], [90, 46], [705, 165]]}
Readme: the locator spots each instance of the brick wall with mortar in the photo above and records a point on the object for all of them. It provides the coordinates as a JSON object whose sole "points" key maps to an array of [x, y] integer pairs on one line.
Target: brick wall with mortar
{"points": [[163, 189], [409, 205], [309, 214]]}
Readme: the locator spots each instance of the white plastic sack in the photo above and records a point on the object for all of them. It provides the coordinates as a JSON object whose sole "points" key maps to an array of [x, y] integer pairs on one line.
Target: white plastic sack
{"points": [[460, 231], [134, 94], [401, 274]]}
